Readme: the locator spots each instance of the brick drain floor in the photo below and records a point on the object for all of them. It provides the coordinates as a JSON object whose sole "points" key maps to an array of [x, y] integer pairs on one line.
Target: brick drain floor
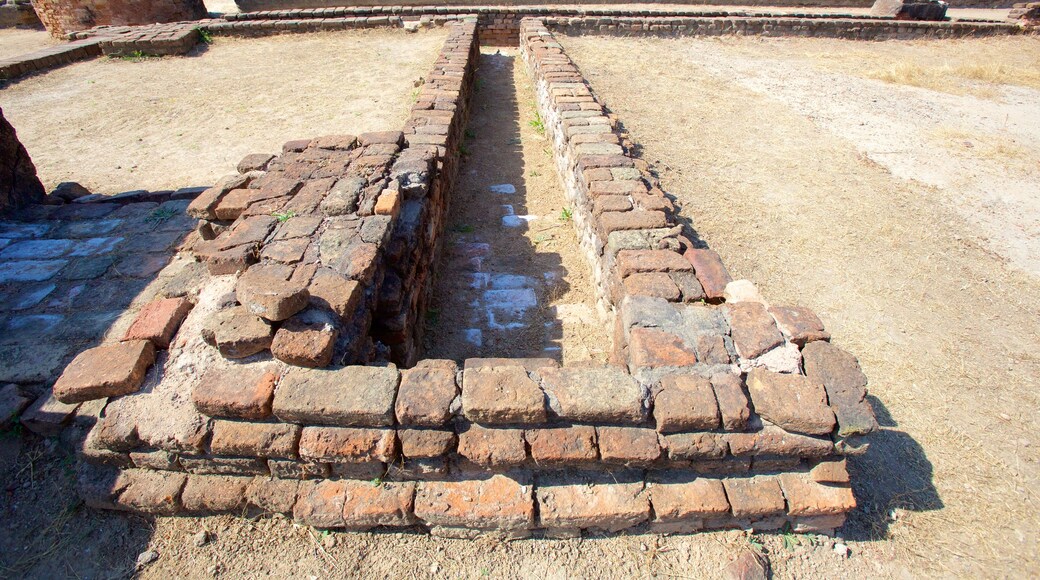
{"points": [[512, 282]]}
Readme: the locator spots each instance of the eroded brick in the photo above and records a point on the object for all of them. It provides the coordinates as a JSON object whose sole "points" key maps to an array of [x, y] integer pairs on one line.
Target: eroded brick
{"points": [[105, 371], [593, 394], [350, 396], [562, 445], [238, 392], [425, 395], [158, 321], [685, 403], [792, 402], [273, 440], [498, 502], [501, 395]]}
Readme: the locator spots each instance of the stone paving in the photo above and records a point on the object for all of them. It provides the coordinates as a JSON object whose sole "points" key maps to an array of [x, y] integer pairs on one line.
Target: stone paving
{"points": [[74, 274]]}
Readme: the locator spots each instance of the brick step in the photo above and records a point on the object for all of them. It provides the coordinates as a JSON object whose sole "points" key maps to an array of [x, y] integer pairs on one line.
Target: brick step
{"points": [[515, 504]]}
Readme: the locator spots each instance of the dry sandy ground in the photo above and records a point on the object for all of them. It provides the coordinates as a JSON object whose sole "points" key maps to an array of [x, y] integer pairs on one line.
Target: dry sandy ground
{"points": [[782, 162], [532, 295], [17, 41], [161, 123], [943, 324]]}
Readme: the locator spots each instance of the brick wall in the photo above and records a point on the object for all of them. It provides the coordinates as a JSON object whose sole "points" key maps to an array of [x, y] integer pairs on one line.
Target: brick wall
{"points": [[19, 185], [64, 16]]}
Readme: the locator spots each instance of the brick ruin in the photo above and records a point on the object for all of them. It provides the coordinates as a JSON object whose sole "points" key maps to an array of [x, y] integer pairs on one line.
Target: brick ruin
{"points": [[61, 17], [291, 379]]}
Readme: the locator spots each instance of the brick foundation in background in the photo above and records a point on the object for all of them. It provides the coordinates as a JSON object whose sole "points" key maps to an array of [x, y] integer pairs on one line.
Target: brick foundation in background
{"points": [[289, 380], [61, 17], [498, 25]]}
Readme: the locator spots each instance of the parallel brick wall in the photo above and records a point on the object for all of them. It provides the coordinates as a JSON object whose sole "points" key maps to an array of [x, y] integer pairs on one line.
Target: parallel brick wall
{"points": [[687, 430], [64, 16], [433, 133]]}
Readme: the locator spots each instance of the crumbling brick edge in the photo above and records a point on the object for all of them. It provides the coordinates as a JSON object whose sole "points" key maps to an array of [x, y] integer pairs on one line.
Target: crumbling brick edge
{"points": [[667, 436]]}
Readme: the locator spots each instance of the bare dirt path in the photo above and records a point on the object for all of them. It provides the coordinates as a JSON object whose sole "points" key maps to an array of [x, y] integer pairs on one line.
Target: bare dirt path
{"points": [[899, 270], [162, 123], [512, 281], [17, 41]]}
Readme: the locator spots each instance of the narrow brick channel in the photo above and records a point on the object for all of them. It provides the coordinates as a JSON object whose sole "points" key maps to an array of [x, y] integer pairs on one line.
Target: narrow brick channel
{"points": [[512, 281]]}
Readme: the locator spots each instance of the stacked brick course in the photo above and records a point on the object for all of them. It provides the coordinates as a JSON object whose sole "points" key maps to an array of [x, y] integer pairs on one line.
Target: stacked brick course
{"points": [[277, 394]]}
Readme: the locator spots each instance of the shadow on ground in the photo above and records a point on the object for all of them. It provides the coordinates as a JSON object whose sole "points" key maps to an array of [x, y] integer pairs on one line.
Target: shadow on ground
{"points": [[71, 277]]}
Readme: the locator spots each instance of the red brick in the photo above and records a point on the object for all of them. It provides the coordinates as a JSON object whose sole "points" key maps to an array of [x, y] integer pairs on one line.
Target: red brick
{"points": [[792, 402], [254, 162], [492, 447], [334, 292], [388, 203], [205, 494], [498, 502], [501, 395], [600, 504], [694, 446], [653, 348], [711, 273], [239, 392], [733, 403], [426, 443], [276, 496], [685, 403], [557, 445], [320, 503], [613, 221], [772, 440], [752, 329], [845, 383], [634, 261], [105, 371], [158, 321], [426, 392], [657, 284], [800, 325], [277, 440], [754, 497], [682, 503], [348, 445], [266, 291], [628, 445], [593, 394], [305, 345], [152, 492], [367, 505], [806, 497], [611, 203]]}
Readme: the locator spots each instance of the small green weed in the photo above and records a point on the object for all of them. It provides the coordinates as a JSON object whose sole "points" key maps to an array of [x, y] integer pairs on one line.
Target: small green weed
{"points": [[160, 214], [470, 134], [462, 228], [535, 174], [463, 150], [136, 56], [284, 216], [537, 123], [377, 481], [566, 214], [204, 35]]}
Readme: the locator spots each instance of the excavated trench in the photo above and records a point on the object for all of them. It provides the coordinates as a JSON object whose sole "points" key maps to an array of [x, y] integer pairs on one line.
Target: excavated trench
{"points": [[512, 281]]}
